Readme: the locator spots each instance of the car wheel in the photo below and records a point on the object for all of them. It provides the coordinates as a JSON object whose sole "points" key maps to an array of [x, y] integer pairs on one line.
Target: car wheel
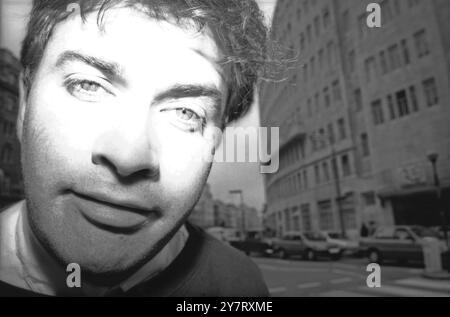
{"points": [[374, 256], [310, 255]]}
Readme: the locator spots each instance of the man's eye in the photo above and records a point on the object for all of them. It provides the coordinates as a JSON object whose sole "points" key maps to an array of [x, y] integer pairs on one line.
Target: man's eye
{"points": [[86, 90], [186, 114], [186, 119]]}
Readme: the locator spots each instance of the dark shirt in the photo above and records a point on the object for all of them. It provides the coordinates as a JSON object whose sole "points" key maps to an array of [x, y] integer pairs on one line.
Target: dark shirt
{"points": [[205, 267]]}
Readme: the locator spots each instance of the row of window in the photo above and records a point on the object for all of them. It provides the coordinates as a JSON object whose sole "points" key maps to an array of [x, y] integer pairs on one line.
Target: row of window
{"points": [[295, 221], [325, 59], [404, 102], [320, 21], [324, 172], [324, 98], [319, 141], [395, 56]]}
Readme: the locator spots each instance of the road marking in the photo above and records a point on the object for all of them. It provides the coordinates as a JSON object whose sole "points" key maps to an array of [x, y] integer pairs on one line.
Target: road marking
{"points": [[341, 280], [341, 293], [415, 271], [309, 285], [346, 266], [289, 269], [342, 272], [403, 291], [276, 290], [421, 282]]}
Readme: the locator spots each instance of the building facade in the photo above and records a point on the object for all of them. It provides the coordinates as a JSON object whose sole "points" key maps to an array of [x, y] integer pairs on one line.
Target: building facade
{"points": [[11, 186], [359, 115]]}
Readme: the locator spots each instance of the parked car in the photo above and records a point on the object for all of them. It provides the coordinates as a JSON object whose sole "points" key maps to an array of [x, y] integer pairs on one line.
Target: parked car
{"points": [[226, 235], [398, 243], [254, 245], [349, 247], [309, 245]]}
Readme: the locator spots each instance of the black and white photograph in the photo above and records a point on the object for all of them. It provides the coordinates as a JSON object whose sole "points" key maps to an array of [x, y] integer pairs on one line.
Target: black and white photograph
{"points": [[218, 149]]}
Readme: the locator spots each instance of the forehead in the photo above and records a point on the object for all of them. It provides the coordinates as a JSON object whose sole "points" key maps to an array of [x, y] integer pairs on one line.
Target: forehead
{"points": [[141, 45]]}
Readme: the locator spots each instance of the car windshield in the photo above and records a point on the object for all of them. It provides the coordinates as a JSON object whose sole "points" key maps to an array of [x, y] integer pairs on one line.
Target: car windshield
{"points": [[335, 235], [425, 232], [315, 236]]}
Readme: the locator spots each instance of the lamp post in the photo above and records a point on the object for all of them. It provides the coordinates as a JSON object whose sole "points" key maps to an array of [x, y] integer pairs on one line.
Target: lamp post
{"points": [[433, 158], [241, 194]]}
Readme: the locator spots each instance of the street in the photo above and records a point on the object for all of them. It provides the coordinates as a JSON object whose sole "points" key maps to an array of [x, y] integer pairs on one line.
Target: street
{"points": [[345, 278]]}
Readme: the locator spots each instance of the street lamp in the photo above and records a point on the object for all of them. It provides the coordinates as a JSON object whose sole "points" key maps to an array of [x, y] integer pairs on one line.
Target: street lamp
{"points": [[241, 194], [433, 158]]}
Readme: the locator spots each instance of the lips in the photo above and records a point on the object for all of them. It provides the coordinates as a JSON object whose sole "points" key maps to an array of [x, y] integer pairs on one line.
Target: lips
{"points": [[112, 215]]}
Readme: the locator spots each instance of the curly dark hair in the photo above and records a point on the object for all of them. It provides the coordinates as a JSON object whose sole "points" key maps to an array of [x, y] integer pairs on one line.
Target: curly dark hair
{"points": [[238, 27]]}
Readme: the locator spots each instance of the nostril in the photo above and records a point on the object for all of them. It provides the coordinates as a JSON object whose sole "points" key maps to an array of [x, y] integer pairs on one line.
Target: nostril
{"points": [[103, 161]]}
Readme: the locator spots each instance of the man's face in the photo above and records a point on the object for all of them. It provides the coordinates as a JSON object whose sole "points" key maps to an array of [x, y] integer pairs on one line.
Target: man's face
{"points": [[115, 126]]}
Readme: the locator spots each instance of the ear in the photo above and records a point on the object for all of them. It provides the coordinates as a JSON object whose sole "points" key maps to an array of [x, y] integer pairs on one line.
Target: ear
{"points": [[22, 107]]}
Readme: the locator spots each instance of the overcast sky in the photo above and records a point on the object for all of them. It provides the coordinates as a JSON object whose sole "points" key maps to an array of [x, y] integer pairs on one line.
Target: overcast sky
{"points": [[224, 176]]}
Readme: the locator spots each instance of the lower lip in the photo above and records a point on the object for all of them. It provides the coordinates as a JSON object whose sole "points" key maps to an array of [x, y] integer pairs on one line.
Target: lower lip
{"points": [[109, 217]]}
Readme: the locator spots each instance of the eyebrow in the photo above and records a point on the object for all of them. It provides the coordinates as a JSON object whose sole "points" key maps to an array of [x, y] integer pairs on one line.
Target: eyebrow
{"points": [[190, 91], [110, 69]]}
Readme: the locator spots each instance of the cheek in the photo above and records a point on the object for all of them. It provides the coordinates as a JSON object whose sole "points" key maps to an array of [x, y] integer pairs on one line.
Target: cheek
{"points": [[183, 162]]}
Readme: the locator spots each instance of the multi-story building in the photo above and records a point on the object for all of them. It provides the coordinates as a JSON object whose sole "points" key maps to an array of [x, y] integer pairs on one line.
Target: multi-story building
{"points": [[11, 187], [360, 115]]}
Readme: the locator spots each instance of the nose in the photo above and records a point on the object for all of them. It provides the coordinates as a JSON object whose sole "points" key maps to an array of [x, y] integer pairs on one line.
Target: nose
{"points": [[126, 152]]}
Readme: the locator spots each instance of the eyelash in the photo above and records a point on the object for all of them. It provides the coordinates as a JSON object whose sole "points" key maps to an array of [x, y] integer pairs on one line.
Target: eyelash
{"points": [[199, 118], [74, 85]]}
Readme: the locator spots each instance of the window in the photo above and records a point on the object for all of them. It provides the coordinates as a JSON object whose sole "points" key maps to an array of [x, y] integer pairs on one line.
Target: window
{"points": [[305, 178], [317, 174], [391, 106], [326, 172], [326, 221], [405, 51], [357, 95], [306, 217], [377, 112], [365, 149], [421, 41], [402, 103], [342, 129], [413, 98], [431, 93], [346, 169], [330, 132], [351, 61], [337, 91], [326, 18], [317, 26], [321, 59], [370, 65], [394, 57], [295, 219]]}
